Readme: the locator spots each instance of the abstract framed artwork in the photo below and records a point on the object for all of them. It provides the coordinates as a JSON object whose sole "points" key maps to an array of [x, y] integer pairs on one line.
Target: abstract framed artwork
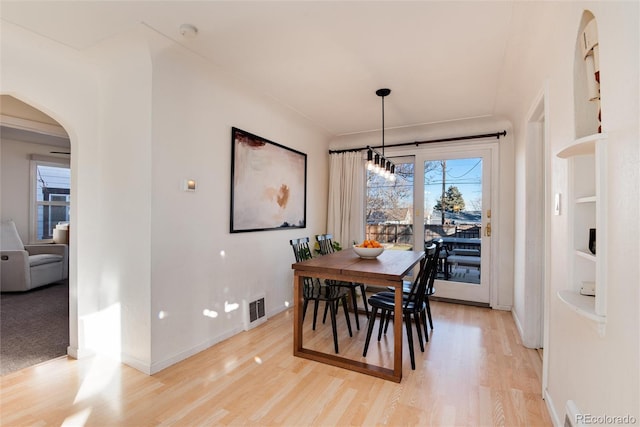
{"points": [[268, 184]]}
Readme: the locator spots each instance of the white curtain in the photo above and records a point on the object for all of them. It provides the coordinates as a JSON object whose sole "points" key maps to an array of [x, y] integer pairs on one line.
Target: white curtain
{"points": [[345, 216]]}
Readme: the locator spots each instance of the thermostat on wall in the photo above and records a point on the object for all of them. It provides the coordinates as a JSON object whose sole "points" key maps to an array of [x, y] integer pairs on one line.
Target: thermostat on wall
{"points": [[189, 185]]}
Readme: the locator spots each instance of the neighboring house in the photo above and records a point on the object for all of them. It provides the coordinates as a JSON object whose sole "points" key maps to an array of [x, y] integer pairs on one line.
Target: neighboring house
{"points": [[391, 216], [147, 258]]}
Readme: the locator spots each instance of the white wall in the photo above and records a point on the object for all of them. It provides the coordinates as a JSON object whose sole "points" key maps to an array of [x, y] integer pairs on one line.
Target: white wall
{"points": [[601, 374], [530, 211], [502, 297], [140, 121], [124, 194], [194, 107]]}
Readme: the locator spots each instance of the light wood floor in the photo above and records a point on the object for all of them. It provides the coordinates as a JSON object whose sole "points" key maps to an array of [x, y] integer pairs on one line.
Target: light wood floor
{"points": [[473, 372]]}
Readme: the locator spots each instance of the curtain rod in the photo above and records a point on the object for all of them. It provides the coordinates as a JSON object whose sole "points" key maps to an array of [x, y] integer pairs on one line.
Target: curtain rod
{"points": [[496, 135]]}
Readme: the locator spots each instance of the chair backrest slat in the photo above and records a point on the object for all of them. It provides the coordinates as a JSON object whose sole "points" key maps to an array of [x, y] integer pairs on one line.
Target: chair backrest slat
{"points": [[325, 241], [427, 266], [434, 271], [302, 253], [301, 248]]}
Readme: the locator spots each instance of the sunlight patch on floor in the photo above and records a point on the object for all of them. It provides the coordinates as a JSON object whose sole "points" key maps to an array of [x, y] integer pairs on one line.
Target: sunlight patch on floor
{"points": [[98, 379], [78, 419]]}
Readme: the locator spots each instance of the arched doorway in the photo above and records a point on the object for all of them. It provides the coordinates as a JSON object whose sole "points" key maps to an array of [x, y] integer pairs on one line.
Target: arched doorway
{"points": [[35, 151]]}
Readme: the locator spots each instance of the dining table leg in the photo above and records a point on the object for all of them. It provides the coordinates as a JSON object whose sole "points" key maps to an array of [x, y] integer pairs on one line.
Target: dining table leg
{"points": [[297, 312], [397, 333]]}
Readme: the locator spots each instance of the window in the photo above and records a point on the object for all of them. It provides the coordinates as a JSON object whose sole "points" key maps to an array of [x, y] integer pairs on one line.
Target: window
{"points": [[389, 209], [51, 184]]}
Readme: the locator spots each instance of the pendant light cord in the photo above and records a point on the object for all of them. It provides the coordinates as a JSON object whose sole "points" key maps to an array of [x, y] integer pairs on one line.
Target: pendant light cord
{"points": [[382, 125]]}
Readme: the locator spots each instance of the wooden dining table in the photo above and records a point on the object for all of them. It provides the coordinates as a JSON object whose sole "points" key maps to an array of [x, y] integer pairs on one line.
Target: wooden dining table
{"points": [[388, 269]]}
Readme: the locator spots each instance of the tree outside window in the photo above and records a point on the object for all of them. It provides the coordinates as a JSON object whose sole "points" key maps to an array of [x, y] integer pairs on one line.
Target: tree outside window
{"points": [[389, 206]]}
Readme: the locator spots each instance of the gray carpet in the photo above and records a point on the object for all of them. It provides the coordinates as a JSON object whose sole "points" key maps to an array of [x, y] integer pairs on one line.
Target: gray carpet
{"points": [[34, 326]]}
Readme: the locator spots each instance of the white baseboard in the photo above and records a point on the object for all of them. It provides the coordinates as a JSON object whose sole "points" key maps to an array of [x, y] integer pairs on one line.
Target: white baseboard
{"points": [[516, 320], [526, 341], [136, 364], [163, 364], [79, 353], [555, 419], [278, 310]]}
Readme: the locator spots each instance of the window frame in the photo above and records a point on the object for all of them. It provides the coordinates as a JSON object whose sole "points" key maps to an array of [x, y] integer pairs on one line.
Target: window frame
{"points": [[34, 204]]}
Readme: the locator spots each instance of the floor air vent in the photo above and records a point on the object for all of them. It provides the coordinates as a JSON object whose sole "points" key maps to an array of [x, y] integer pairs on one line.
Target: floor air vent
{"points": [[573, 416], [255, 313]]}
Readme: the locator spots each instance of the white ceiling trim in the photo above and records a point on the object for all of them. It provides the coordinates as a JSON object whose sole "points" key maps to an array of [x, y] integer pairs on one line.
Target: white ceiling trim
{"points": [[31, 126]]}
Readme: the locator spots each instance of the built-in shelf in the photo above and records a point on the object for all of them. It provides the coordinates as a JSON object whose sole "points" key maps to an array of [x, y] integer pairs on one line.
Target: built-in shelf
{"points": [[586, 169], [586, 255], [583, 305], [586, 283], [582, 146], [588, 199]]}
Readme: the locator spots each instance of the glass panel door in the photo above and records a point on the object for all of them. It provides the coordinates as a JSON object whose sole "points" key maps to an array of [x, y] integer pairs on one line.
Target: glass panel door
{"points": [[457, 210]]}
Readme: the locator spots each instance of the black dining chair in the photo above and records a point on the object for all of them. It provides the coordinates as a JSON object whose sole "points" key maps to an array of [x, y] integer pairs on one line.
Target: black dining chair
{"points": [[325, 242], [406, 288], [413, 305], [316, 291], [431, 290]]}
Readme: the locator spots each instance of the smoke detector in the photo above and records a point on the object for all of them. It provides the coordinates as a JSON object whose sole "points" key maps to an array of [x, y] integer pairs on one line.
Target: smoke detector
{"points": [[189, 31]]}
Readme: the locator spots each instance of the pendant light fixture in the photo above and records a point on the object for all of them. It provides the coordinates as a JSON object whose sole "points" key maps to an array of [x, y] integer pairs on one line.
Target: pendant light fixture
{"points": [[376, 162]]}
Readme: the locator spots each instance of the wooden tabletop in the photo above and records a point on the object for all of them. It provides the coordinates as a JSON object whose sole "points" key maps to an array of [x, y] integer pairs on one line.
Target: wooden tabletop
{"points": [[390, 265]]}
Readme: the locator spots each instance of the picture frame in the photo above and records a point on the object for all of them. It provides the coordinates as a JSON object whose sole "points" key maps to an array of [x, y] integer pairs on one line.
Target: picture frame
{"points": [[268, 184]]}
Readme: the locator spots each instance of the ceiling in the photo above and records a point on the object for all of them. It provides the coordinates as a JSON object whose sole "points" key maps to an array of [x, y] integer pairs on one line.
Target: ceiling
{"points": [[323, 59]]}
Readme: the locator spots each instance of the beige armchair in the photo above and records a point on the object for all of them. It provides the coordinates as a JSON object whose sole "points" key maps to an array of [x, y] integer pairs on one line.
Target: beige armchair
{"points": [[24, 267]]}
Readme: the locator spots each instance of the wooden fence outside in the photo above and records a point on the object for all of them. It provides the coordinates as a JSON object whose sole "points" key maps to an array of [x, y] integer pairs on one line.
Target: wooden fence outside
{"points": [[403, 233]]}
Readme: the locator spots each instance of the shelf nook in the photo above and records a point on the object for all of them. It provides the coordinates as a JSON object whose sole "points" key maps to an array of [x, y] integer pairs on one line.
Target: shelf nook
{"points": [[585, 292]]}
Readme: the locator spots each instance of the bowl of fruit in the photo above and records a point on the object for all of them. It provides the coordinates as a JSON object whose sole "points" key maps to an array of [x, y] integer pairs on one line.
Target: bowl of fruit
{"points": [[368, 249]]}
